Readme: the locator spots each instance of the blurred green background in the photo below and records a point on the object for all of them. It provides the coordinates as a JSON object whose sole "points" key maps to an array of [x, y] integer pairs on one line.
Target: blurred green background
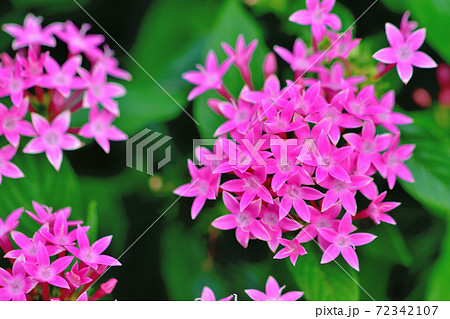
{"points": [[178, 256]]}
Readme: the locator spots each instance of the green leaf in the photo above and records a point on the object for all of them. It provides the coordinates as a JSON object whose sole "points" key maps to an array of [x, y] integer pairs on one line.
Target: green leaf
{"points": [[165, 48], [233, 20], [440, 273], [431, 14], [92, 221], [43, 184], [389, 246], [327, 282], [49, 6]]}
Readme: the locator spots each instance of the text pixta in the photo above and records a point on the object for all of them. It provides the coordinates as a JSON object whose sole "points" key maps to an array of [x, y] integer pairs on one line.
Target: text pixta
{"points": [[337, 311]]}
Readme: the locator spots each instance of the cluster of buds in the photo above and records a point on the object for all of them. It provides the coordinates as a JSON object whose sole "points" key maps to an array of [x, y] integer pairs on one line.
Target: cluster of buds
{"points": [[273, 293], [49, 265], [289, 160], [44, 93]]}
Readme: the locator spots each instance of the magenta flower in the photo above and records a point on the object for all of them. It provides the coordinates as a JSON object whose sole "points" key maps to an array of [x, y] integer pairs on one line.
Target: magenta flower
{"points": [[13, 82], [318, 16], [204, 185], [208, 295], [342, 242], [31, 33], [334, 79], [10, 223], [318, 220], [91, 255], [44, 271], [383, 113], [44, 215], [77, 277], [239, 117], [273, 292], [100, 128], [301, 59], [407, 27], [99, 91], [242, 56], [78, 41], [403, 52], [251, 186], [328, 163], [29, 246], [63, 78], [394, 158], [377, 210], [208, 77], [343, 191], [52, 138], [60, 236], [7, 168], [342, 45], [15, 286], [294, 195], [369, 147], [111, 65], [244, 222], [12, 123], [292, 249]]}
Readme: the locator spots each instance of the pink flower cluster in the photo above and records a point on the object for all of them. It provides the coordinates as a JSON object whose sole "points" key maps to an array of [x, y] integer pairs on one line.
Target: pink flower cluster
{"points": [[292, 158], [273, 293], [45, 94], [56, 263]]}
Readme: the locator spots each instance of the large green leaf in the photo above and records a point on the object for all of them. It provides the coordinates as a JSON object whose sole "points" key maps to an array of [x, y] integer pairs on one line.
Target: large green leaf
{"points": [[432, 14], [233, 20], [43, 184], [327, 282], [165, 48]]}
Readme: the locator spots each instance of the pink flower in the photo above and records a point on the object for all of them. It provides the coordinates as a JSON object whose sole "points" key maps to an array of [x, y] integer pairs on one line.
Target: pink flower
{"points": [[369, 147], [12, 123], [44, 271], [330, 159], [377, 210], [318, 16], [208, 295], [251, 186], [99, 91], [29, 246], [63, 78], [292, 249], [111, 65], [334, 79], [204, 185], [403, 52], [52, 138], [208, 77], [7, 168], [10, 223], [242, 56], [343, 191], [273, 292], [60, 236], [78, 41], [44, 215], [31, 33], [239, 117], [394, 158], [91, 255], [300, 59], [342, 45], [100, 128], [77, 277], [407, 27], [294, 195], [244, 222], [17, 285], [342, 242], [383, 113], [13, 82]]}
